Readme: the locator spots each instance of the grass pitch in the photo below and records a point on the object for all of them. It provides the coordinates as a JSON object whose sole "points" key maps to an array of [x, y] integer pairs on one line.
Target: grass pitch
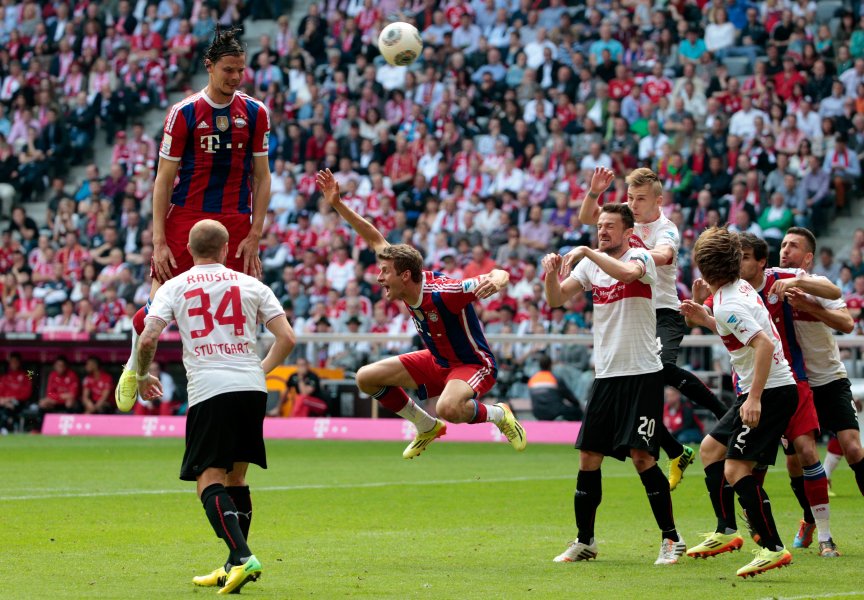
{"points": [[108, 518]]}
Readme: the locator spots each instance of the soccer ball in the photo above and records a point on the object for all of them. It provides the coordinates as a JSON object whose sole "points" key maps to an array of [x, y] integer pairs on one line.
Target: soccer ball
{"points": [[400, 44]]}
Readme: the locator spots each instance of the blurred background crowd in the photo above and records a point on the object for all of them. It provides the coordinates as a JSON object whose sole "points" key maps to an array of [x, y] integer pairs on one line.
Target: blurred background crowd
{"points": [[478, 154]]}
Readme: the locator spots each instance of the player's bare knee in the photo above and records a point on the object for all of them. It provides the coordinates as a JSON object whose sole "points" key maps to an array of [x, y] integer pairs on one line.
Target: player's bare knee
{"points": [[589, 461], [642, 460], [450, 411], [805, 451], [366, 380], [711, 451]]}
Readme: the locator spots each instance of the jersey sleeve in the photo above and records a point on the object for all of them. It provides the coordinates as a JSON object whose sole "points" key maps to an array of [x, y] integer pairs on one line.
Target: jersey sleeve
{"points": [[580, 274], [827, 304], [734, 318], [161, 308], [457, 294], [174, 134], [268, 306], [668, 236], [649, 268], [261, 135]]}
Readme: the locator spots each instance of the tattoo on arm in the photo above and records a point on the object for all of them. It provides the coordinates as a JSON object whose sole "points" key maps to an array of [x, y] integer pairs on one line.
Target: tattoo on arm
{"points": [[147, 345]]}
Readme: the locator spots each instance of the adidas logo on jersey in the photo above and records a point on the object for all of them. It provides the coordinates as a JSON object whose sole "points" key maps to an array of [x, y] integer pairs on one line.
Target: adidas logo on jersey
{"points": [[203, 125]]}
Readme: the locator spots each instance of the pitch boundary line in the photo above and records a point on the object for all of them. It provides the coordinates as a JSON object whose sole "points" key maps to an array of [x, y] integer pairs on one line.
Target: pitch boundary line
{"points": [[302, 487], [806, 596]]}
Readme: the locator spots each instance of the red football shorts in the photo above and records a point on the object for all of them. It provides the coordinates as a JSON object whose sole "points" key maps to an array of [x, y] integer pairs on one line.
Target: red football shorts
{"points": [[431, 378], [804, 420], [179, 222]]}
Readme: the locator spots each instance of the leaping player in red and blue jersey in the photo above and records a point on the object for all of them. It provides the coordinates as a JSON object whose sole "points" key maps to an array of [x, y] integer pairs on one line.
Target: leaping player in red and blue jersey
{"points": [[457, 364], [215, 147]]}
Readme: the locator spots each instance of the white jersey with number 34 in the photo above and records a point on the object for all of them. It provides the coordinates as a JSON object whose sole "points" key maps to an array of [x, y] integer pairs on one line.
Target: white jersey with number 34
{"points": [[217, 311]]}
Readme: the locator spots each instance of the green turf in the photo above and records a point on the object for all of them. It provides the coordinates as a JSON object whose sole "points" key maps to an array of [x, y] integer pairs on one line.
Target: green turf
{"points": [[338, 519]]}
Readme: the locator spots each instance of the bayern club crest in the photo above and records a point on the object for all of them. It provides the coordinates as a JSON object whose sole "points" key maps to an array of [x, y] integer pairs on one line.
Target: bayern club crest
{"points": [[433, 317], [239, 122], [772, 299]]}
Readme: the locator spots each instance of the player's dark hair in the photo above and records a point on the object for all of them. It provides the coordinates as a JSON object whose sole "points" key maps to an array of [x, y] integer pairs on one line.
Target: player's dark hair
{"points": [[405, 258], [717, 254], [757, 245], [618, 208], [805, 233], [225, 43]]}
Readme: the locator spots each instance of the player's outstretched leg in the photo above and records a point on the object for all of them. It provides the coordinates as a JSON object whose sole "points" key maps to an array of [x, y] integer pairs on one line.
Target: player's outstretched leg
{"points": [[680, 456], [126, 392], [458, 403], [693, 388]]}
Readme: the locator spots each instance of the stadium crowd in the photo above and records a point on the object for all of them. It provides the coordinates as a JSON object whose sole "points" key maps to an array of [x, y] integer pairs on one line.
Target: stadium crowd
{"points": [[478, 154]]}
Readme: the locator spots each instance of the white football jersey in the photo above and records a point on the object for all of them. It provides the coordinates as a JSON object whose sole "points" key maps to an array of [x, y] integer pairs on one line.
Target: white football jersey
{"points": [[740, 315], [625, 320], [821, 354], [661, 232], [217, 311]]}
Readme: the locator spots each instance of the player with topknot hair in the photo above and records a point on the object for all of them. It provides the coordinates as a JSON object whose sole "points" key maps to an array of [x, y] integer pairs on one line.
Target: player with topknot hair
{"points": [[215, 145]]}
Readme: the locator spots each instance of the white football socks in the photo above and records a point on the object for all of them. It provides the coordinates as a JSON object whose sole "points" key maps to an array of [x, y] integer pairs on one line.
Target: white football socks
{"points": [[494, 414], [422, 420]]}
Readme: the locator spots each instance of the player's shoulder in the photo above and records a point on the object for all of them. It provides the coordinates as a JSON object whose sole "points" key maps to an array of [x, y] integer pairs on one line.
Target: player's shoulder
{"points": [[189, 100], [251, 101], [435, 281]]}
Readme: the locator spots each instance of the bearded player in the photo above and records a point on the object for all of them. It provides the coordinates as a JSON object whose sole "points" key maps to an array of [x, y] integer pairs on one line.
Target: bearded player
{"points": [[215, 146], [657, 234]]}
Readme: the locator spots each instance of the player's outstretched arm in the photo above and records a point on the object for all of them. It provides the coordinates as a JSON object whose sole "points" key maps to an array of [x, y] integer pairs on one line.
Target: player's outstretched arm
{"points": [[625, 272], [838, 319], [330, 189], [491, 283], [149, 386], [817, 286], [557, 293], [163, 260], [590, 210], [284, 345]]}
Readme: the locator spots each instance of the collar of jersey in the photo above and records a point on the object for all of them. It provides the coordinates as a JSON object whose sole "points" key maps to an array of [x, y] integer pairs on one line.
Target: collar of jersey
{"points": [[209, 100]]}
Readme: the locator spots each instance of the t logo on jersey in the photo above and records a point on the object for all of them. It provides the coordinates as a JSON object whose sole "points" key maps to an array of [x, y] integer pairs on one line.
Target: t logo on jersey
{"points": [[210, 143]]}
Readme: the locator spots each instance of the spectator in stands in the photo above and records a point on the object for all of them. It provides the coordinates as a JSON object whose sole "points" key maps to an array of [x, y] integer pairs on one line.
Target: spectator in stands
{"points": [[309, 396], [551, 398], [16, 388], [680, 419], [62, 392], [97, 387]]}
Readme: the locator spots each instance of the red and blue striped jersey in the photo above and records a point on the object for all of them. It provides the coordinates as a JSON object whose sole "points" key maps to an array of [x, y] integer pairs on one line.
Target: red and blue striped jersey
{"points": [[215, 144], [447, 323], [781, 314], [782, 317]]}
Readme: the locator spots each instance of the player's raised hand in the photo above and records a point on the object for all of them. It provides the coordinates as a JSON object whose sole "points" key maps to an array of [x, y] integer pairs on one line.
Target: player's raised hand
{"points": [[700, 290], [163, 262], [571, 258], [248, 249], [782, 286], [801, 301], [328, 185], [552, 263], [150, 387], [694, 312], [601, 179]]}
